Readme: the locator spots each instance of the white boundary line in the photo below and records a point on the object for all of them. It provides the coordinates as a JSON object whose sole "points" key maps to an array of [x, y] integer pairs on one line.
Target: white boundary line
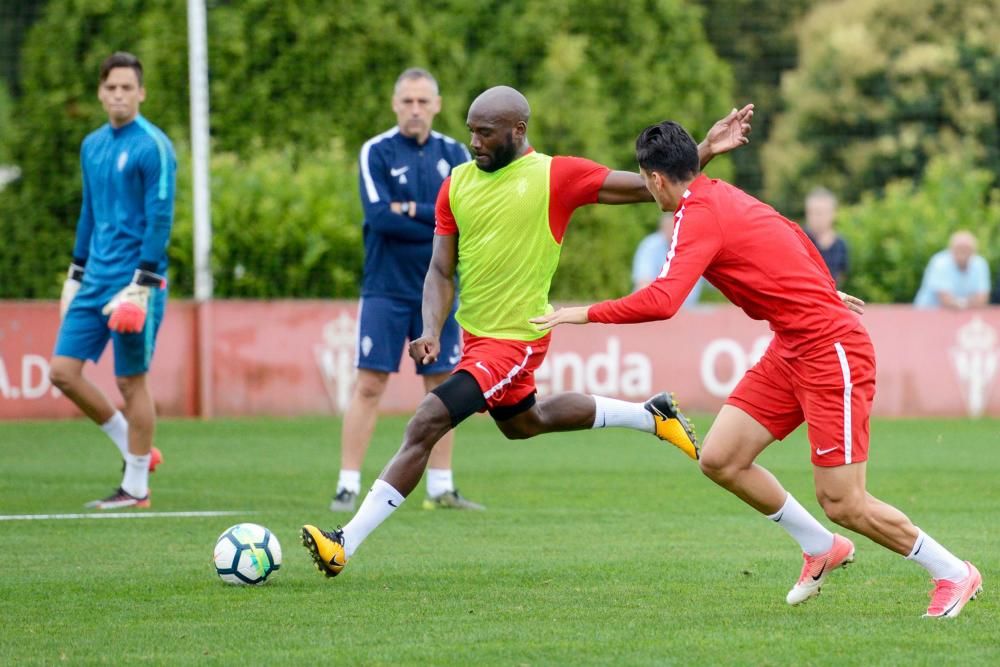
{"points": [[120, 515]]}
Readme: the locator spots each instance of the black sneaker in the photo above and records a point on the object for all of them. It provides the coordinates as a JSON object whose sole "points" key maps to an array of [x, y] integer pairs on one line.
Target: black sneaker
{"points": [[344, 501], [120, 499], [451, 500]]}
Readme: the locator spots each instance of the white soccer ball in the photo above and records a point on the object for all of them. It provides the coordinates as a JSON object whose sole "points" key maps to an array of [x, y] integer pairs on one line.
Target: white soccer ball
{"points": [[247, 554]]}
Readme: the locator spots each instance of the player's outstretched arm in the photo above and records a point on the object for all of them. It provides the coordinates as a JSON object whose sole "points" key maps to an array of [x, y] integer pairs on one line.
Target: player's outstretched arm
{"points": [[732, 131], [439, 295], [623, 187], [728, 133]]}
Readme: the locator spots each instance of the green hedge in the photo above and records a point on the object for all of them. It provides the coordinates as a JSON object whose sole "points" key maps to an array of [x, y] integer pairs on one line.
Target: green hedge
{"points": [[289, 78], [891, 237], [881, 88], [283, 224]]}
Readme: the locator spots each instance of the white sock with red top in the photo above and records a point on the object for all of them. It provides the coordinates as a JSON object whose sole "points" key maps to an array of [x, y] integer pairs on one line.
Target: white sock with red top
{"points": [[612, 412], [803, 527]]}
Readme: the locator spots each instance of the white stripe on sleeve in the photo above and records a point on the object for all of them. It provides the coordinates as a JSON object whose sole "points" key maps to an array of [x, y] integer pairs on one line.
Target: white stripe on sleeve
{"points": [[366, 173]]}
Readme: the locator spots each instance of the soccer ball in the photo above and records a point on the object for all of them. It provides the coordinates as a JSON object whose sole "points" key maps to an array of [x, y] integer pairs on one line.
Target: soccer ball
{"points": [[247, 554]]}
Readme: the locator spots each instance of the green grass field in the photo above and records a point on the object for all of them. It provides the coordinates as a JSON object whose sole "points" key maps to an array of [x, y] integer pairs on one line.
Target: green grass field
{"points": [[597, 548]]}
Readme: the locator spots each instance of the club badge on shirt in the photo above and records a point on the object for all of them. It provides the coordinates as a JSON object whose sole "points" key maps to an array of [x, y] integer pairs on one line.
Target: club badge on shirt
{"points": [[400, 173]]}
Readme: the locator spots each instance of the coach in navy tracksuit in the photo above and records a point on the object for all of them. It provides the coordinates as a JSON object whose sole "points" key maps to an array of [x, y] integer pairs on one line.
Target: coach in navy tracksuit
{"points": [[402, 170]]}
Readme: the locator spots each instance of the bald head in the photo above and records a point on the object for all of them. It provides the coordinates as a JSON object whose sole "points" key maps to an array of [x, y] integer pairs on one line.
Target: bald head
{"points": [[501, 102], [963, 246], [498, 121]]}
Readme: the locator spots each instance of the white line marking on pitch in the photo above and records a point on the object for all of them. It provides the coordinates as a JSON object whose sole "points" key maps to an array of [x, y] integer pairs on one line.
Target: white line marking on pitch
{"points": [[130, 515]]}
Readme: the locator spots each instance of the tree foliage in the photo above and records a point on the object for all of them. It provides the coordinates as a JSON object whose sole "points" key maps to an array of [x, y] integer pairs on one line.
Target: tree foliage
{"points": [[758, 39], [881, 88], [892, 235], [287, 78], [278, 219]]}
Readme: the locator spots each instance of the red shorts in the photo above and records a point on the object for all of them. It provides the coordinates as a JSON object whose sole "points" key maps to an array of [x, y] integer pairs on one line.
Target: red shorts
{"points": [[830, 387], [503, 368]]}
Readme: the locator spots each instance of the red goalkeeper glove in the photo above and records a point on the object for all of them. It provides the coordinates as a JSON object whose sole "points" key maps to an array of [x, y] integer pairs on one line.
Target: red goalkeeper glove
{"points": [[128, 308]]}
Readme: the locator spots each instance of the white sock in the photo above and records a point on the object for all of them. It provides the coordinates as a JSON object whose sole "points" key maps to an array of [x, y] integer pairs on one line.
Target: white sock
{"points": [[612, 412], [136, 479], [439, 481], [803, 527], [350, 480], [117, 430], [941, 563], [380, 502]]}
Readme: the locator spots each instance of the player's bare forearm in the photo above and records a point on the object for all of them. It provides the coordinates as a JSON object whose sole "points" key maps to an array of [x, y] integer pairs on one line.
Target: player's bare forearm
{"points": [[623, 187], [439, 295], [705, 154]]}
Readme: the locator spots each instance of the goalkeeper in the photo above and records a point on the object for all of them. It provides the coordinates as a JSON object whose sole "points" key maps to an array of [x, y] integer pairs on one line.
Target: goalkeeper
{"points": [[116, 286]]}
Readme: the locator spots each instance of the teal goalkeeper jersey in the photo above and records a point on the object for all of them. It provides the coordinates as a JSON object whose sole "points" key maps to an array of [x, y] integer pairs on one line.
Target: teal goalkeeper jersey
{"points": [[129, 176]]}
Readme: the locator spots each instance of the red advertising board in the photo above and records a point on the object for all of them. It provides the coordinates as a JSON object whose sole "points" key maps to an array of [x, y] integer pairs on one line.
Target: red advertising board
{"points": [[297, 357]]}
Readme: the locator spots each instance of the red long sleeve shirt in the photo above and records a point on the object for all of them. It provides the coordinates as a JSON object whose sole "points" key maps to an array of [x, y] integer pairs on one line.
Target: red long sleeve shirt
{"points": [[763, 263]]}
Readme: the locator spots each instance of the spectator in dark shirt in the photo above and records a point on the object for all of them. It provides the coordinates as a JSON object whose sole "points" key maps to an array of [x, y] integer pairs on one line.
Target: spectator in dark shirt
{"points": [[821, 213]]}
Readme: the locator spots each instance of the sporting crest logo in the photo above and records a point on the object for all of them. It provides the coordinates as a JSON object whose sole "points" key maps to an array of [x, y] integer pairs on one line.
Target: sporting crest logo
{"points": [[335, 358], [974, 357]]}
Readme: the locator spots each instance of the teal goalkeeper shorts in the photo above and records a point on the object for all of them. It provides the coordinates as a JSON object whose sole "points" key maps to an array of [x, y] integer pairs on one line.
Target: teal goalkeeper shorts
{"points": [[84, 331]]}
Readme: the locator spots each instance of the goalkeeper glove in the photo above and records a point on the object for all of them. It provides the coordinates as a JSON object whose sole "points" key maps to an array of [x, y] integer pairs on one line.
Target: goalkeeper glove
{"points": [[128, 308], [70, 287]]}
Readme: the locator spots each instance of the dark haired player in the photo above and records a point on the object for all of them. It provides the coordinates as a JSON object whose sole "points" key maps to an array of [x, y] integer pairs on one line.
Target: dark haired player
{"points": [[116, 286], [820, 367], [500, 225]]}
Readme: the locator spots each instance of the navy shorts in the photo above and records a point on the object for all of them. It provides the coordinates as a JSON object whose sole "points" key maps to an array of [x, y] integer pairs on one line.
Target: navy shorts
{"points": [[384, 326], [84, 332]]}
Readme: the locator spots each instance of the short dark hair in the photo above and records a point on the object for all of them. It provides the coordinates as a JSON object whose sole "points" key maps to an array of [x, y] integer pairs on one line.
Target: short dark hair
{"points": [[121, 59], [667, 148]]}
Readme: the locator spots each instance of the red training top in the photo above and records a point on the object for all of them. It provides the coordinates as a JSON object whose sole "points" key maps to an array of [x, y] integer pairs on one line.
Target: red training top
{"points": [[763, 263]]}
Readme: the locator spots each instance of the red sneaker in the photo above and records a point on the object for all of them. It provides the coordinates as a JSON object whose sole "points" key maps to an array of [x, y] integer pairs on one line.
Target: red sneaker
{"points": [[948, 597], [155, 459], [816, 569]]}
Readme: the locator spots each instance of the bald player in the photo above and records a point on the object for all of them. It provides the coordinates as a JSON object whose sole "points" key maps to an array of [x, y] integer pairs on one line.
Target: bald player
{"points": [[500, 223]]}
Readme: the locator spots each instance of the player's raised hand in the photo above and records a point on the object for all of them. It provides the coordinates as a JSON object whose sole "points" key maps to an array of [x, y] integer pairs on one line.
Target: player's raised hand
{"points": [[571, 315], [425, 350], [853, 303], [731, 132]]}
